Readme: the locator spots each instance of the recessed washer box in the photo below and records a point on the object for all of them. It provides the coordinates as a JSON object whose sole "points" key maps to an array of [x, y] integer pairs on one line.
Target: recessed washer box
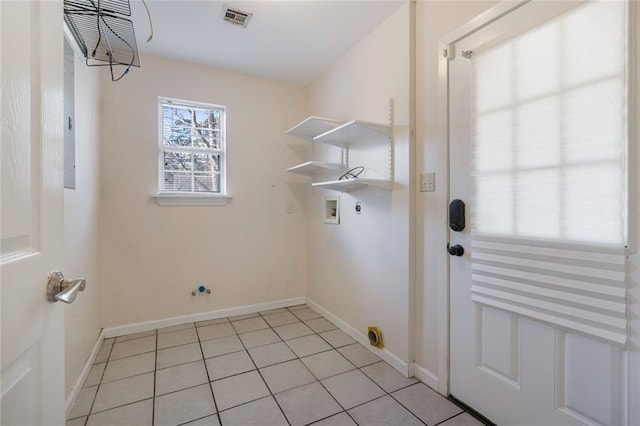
{"points": [[332, 210]]}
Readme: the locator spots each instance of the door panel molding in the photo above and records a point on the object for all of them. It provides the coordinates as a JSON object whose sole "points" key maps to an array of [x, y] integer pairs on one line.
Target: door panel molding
{"points": [[20, 388], [605, 364], [498, 357]]}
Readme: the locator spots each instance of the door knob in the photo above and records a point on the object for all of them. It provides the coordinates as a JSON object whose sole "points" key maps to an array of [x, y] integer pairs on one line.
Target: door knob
{"points": [[59, 289], [456, 250]]}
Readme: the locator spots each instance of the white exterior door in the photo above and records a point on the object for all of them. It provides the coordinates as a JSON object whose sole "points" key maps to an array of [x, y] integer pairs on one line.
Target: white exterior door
{"points": [[537, 307], [31, 210]]}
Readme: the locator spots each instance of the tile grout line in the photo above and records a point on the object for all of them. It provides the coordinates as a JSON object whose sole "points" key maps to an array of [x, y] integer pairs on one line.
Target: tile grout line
{"points": [[206, 369], [129, 337], [120, 406], [366, 402], [332, 348], [259, 373], [183, 343], [303, 364], [101, 383], [236, 334], [179, 363], [155, 370], [301, 337], [222, 378], [328, 417], [235, 406], [286, 419], [106, 364], [345, 410], [126, 377], [266, 366], [387, 393], [452, 417], [131, 356], [320, 381], [407, 408], [139, 400], [156, 333], [317, 380], [322, 384], [281, 341], [239, 405]]}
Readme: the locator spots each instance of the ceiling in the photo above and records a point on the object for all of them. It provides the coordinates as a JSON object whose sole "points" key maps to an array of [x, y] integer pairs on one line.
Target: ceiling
{"points": [[293, 41]]}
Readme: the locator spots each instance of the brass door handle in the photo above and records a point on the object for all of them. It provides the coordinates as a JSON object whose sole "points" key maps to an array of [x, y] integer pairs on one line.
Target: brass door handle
{"points": [[59, 289]]}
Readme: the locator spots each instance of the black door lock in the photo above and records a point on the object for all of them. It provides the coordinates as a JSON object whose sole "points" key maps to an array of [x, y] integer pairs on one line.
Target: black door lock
{"points": [[456, 250], [456, 215]]}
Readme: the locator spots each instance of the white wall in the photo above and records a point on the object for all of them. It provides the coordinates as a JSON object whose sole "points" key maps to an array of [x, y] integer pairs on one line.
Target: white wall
{"points": [[82, 318], [247, 252], [360, 270], [434, 20]]}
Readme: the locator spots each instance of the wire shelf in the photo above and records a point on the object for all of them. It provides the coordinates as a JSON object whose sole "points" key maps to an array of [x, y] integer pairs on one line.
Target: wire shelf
{"points": [[103, 37], [120, 7]]}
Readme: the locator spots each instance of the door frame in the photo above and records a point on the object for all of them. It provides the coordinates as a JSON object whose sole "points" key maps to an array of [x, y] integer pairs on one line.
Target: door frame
{"points": [[443, 281], [632, 359]]}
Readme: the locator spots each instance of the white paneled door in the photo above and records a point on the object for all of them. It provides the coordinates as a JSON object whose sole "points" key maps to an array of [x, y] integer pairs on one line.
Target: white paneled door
{"points": [[31, 210], [537, 110]]}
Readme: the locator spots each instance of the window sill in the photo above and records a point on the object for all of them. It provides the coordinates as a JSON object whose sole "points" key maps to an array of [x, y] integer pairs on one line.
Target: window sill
{"points": [[190, 199]]}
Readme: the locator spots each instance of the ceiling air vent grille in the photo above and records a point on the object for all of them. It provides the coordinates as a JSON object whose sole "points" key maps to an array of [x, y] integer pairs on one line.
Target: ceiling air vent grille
{"points": [[236, 16]]}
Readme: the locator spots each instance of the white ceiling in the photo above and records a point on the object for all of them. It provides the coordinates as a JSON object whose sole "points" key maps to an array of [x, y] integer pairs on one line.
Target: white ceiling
{"points": [[293, 41]]}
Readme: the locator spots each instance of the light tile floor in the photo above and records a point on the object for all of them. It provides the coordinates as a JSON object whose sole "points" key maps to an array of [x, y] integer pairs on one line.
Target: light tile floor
{"points": [[281, 367]]}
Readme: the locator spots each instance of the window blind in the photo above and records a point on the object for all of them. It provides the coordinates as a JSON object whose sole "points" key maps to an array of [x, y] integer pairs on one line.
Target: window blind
{"points": [[191, 147], [549, 178]]}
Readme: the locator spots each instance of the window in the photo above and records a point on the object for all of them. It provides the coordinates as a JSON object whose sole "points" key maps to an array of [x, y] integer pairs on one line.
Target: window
{"points": [[549, 138], [192, 149], [549, 212]]}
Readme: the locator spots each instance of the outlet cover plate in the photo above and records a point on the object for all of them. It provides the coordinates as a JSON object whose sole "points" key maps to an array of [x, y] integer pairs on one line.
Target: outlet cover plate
{"points": [[427, 182]]}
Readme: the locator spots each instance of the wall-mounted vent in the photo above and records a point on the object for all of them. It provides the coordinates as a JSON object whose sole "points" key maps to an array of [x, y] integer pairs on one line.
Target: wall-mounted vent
{"points": [[375, 337], [236, 16]]}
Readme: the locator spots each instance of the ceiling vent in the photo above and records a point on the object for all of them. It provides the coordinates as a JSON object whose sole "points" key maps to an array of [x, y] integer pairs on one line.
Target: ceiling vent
{"points": [[236, 16]]}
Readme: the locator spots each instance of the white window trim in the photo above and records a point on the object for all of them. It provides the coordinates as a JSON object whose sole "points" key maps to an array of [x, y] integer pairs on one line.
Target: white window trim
{"points": [[190, 199], [172, 198]]}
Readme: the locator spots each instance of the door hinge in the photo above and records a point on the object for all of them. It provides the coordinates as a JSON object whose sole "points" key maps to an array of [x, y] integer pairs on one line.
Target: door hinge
{"points": [[449, 52]]}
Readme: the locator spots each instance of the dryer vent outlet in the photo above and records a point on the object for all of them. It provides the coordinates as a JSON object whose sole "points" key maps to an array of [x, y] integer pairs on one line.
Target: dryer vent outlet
{"points": [[375, 337]]}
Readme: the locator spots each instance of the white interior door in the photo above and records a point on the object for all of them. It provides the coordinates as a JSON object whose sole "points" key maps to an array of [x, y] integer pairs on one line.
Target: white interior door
{"points": [[31, 209], [525, 349]]}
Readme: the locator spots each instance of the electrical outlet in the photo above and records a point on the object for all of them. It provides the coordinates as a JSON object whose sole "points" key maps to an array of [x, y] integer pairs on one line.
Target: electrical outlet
{"points": [[289, 207], [427, 182]]}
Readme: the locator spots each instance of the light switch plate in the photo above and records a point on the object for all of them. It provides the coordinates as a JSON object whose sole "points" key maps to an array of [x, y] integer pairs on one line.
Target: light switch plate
{"points": [[427, 182]]}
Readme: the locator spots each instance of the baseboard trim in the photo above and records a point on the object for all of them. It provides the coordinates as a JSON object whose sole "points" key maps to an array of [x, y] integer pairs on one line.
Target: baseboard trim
{"points": [[426, 376], [391, 358], [138, 327], [77, 387]]}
